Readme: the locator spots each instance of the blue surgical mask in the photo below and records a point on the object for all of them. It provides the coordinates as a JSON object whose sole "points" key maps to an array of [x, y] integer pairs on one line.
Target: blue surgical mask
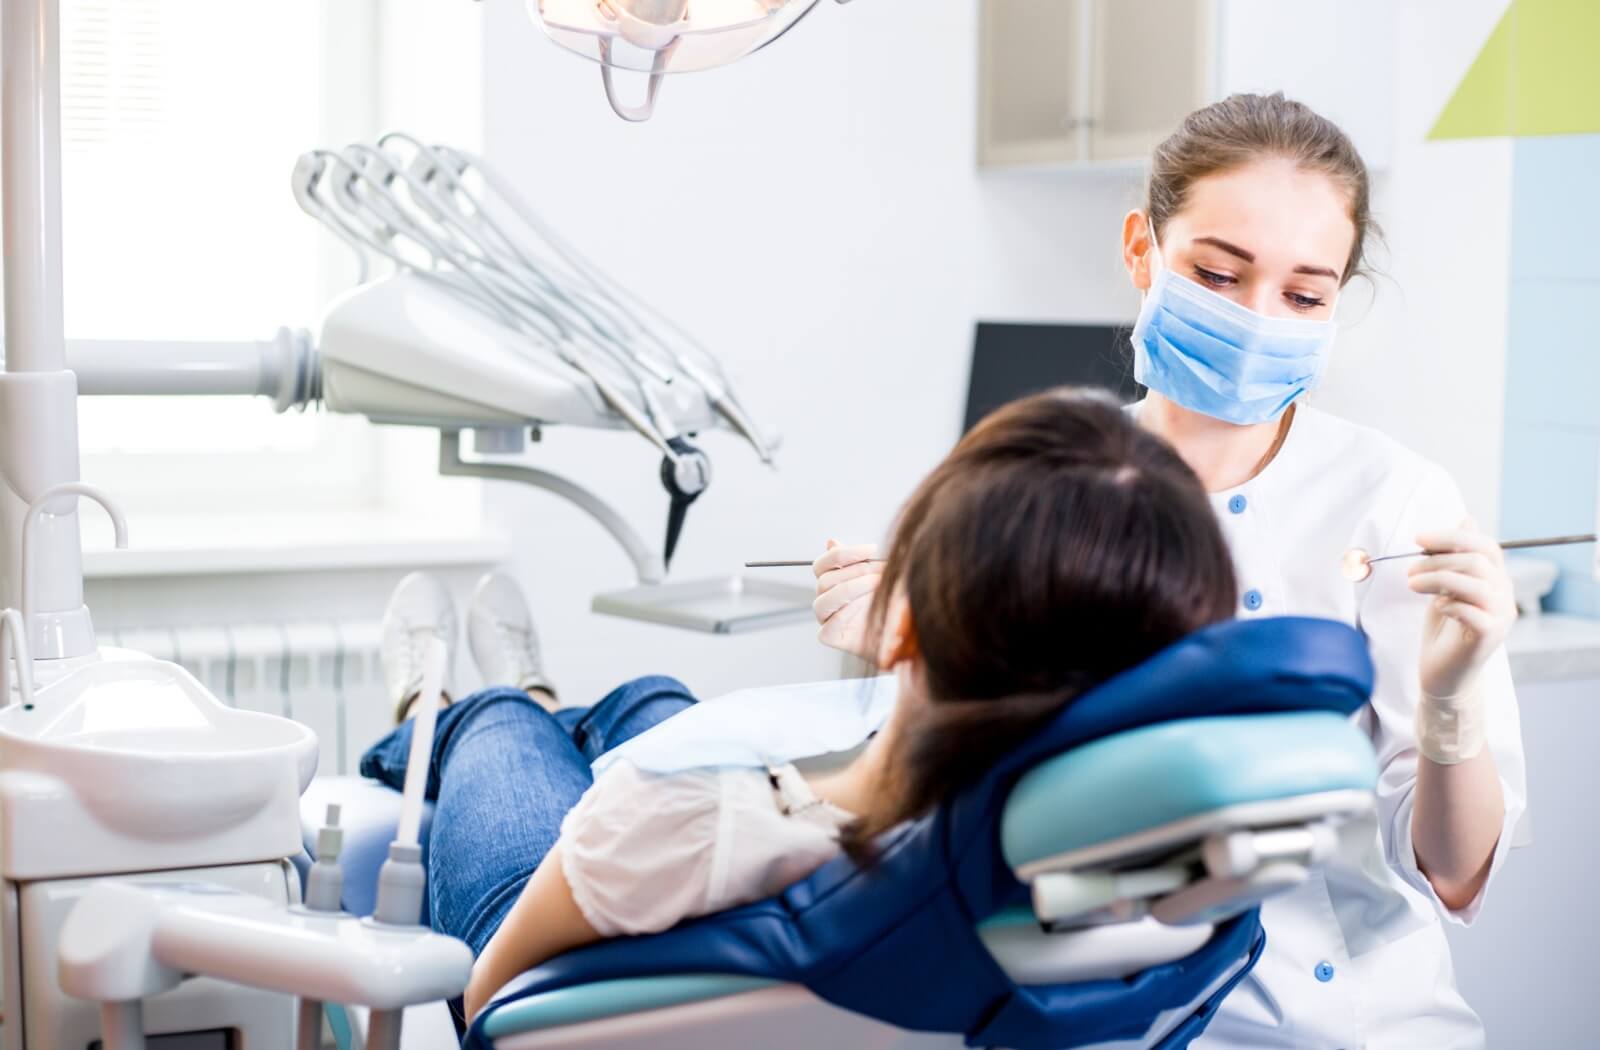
{"points": [[1207, 353]]}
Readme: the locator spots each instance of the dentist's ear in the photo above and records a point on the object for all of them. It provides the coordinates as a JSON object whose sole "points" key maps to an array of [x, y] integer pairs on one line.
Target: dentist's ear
{"points": [[899, 640], [1136, 255]]}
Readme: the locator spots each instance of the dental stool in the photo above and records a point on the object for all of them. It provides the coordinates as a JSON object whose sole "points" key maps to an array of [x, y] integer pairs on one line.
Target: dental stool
{"points": [[1096, 887]]}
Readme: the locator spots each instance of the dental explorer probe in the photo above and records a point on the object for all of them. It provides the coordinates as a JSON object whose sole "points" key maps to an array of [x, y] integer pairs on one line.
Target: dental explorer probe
{"points": [[793, 564], [1356, 565]]}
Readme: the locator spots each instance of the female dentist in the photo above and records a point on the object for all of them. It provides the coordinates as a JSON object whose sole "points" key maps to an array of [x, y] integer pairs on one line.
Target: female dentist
{"points": [[1256, 217]]}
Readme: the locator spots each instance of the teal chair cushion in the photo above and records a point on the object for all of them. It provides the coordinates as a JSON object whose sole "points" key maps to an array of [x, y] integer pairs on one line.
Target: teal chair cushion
{"points": [[1146, 778], [601, 999]]}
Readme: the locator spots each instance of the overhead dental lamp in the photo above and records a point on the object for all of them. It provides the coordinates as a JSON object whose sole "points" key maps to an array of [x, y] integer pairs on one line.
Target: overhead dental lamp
{"points": [[657, 37]]}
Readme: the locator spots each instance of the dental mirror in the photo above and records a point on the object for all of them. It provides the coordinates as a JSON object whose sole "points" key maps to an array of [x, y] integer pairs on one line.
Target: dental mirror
{"points": [[1356, 564]]}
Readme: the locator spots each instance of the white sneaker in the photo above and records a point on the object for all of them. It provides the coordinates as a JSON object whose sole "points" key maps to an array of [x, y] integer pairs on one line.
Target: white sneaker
{"points": [[501, 635], [419, 610]]}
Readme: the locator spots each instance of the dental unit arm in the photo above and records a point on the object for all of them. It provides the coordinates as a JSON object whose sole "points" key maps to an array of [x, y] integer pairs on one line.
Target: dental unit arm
{"points": [[486, 321]]}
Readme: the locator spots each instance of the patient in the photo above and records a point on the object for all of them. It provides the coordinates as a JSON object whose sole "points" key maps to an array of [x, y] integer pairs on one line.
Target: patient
{"points": [[1055, 546]]}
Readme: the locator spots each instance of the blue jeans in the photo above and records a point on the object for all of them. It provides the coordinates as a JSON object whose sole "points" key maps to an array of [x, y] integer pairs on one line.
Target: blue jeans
{"points": [[504, 773]]}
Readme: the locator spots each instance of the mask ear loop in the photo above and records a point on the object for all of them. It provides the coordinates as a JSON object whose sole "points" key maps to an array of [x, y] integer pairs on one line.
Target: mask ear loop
{"points": [[1155, 245]]}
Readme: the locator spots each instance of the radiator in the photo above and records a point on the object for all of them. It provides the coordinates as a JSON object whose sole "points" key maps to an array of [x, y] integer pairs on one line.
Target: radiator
{"points": [[325, 675]]}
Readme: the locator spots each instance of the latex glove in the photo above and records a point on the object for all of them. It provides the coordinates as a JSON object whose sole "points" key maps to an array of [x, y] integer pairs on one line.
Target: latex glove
{"points": [[847, 577], [1472, 610]]}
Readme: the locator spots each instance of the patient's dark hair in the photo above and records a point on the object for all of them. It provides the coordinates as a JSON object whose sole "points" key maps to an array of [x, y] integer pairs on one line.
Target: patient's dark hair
{"points": [[1056, 545]]}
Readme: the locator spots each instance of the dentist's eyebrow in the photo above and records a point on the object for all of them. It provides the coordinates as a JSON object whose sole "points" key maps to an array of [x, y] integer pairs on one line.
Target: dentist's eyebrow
{"points": [[1231, 249], [1250, 257]]}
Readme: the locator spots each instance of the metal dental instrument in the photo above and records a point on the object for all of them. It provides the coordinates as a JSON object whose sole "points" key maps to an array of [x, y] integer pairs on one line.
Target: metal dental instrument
{"points": [[534, 320], [691, 357], [595, 289], [793, 564], [444, 233], [411, 204], [1356, 564], [573, 306]]}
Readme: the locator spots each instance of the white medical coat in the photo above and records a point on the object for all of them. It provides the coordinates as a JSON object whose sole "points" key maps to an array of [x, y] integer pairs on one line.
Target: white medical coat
{"points": [[1357, 956]]}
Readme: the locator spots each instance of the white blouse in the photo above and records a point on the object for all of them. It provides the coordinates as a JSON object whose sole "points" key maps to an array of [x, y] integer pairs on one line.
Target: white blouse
{"points": [[1357, 956], [643, 851]]}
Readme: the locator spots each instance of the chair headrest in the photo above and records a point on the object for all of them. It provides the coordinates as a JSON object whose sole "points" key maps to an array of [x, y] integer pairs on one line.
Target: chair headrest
{"points": [[1160, 775], [1238, 667]]}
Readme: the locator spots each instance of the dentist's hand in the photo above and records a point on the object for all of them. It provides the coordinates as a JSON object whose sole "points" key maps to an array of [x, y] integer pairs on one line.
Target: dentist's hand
{"points": [[847, 576], [1472, 610]]}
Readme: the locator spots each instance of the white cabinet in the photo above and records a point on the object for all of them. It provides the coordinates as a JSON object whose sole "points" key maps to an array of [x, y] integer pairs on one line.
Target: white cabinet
{"points": [[1074, 84], [1089, 81]]}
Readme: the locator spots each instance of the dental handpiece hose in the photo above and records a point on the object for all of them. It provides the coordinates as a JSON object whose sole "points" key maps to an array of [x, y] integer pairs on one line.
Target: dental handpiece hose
{"points": [[401, 880], [422, 726], [324, 893]]}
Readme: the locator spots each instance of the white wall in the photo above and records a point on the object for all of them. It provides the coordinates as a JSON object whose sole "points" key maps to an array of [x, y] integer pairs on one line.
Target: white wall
{"points": [[1421, 354], [814, 214]]}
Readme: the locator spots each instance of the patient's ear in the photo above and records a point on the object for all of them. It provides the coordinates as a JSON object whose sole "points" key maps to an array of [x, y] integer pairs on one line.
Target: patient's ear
{"points": [[898, 643]]}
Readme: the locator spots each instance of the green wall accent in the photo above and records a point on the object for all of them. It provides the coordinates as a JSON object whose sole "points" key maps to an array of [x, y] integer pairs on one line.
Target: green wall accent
{"points": [[1538, 74]]}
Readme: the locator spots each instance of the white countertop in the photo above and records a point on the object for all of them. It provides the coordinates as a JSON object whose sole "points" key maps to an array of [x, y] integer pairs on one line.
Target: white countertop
{"points": [[1554, 647]]}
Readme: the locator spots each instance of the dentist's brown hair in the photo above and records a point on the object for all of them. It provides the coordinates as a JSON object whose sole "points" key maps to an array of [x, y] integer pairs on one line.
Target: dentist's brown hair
{"points": [[1243, 128]]}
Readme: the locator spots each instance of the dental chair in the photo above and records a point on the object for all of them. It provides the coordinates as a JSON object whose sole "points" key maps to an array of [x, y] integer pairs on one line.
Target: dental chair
{"points": [[1097, 887]]}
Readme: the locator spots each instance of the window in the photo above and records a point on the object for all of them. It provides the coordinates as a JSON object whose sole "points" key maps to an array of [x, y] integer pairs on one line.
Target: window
{"points": [[181, 120]]}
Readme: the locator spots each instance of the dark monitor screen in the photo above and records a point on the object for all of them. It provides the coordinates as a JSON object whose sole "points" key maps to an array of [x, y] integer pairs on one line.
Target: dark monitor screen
{"points": [[1012, 360]]}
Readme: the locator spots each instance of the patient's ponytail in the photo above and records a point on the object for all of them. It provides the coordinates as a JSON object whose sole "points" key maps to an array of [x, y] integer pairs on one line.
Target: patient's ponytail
{"points": [[1056, 545]]}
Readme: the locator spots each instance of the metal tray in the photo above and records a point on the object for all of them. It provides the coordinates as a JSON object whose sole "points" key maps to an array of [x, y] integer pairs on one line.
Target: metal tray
{"points": [[720, 605]]}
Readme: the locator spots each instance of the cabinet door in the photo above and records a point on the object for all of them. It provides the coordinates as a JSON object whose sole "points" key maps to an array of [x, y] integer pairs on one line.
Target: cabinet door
{"points": [[1152, 68], [1033, 68]]}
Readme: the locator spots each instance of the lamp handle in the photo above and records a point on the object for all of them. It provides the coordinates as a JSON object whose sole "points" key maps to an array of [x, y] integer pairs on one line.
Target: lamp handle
{"points": [[642, 112]]}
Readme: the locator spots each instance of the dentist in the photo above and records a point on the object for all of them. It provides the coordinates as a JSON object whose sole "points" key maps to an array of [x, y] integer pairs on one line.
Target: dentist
{"points": [[1256, 217]]}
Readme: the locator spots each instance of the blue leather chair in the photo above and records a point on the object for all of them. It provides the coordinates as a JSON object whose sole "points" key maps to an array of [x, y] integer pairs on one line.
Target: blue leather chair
{"points": [[1096, 887]]}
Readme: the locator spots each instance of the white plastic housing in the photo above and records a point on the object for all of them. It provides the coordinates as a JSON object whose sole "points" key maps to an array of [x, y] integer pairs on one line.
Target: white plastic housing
{"points": [[129, 764], [128, 940], [40, 1015], [402, 350]]}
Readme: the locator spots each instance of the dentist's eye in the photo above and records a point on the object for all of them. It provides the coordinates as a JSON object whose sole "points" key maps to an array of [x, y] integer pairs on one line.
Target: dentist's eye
{"points": [[1303, 303], [1215, 280]]}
